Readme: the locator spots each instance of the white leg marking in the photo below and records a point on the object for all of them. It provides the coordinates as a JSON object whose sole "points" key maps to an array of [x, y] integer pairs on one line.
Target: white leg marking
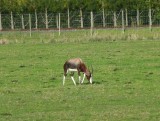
{"points": [[83, 78], [80, 79], [73, 80], [64, 79], [91, 80]]}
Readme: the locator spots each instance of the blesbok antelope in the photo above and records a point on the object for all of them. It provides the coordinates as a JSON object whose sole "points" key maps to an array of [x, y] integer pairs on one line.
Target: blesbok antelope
{"points": [[77, 65]]}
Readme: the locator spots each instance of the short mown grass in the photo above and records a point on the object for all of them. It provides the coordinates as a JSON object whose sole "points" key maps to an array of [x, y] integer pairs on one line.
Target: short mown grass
{"points": [[126, 81]]}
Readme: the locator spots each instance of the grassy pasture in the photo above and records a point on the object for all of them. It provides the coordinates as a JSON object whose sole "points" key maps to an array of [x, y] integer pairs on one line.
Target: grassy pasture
{"points": [[126, 81], [51, 36]]}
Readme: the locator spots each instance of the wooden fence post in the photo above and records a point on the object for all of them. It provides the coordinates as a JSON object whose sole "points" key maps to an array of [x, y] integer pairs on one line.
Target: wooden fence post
{"points": [[92, 23], [22, 19], [150, 19], [46, 17], [68, 18], [115, 19], [59, 23], [126, 16], [138, 17], [12, 22], [30, 25], [36, 19], [81, 15], [0, 21], [123, 29], [104, 20]]}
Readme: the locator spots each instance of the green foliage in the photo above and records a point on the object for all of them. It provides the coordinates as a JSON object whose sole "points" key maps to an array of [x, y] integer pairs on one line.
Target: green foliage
{"points": [[10, 5], [62, 5], [32, 5], [1, 5]]}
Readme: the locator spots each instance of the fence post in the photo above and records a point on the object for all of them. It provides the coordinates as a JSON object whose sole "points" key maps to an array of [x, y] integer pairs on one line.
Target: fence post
{"points": [[0, 21], [46, 16], [126, 16], [137, 17], [104, 23], [59, 23], [92, 22], [12, 23], [150, 19], [36, 19], [115, 19], [22, 19], [123, 29], [68, 18], [30, 26], [81, 15]]}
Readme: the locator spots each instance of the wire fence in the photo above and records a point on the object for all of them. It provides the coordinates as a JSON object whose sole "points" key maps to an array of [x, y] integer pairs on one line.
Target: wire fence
{"points": [[78, 20]]}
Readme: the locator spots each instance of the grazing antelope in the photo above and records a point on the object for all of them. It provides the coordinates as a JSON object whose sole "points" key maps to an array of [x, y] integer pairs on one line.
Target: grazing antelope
{"points": [[74, 65]]}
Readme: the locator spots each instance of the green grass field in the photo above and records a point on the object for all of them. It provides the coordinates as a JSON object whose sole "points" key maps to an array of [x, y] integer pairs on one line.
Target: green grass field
{"points": [[126, 81], [51, 36]]}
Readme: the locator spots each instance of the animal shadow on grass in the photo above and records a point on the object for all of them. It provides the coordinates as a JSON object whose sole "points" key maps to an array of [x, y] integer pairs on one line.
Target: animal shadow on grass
{"points": [[94, 83]]}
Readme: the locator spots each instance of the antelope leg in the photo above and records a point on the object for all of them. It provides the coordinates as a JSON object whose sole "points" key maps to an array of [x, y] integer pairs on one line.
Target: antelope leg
{"points": [[83, 78], [80, 79], [64, 77], [73, 80]]}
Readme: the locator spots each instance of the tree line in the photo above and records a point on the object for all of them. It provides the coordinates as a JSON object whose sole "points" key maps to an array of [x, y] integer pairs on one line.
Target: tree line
{"points": [[61, 6], [28, 6]]}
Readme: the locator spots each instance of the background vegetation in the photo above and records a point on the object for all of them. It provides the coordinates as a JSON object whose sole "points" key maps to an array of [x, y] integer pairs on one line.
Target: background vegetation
{"points": [[22, 6]]}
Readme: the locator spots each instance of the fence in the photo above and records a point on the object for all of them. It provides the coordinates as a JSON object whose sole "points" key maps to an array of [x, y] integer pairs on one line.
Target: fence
{"points": [[80, 20]]}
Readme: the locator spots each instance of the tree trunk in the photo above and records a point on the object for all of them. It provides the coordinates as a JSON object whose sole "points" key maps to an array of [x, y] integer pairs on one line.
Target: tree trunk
{"points": [[126, 17], [68, 18], [0, 21], [138, 17], [115, 19], [36, 19], [12, 22], [22, 19], [104, 20], [123, 29], [46, 17], [81, 15], [150, 18]]}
